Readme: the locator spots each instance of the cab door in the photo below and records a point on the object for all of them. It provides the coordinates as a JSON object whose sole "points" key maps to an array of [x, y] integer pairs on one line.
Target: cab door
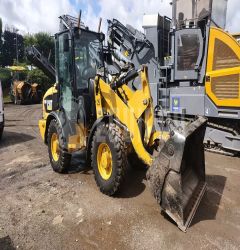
{"points": [[73, 124]]}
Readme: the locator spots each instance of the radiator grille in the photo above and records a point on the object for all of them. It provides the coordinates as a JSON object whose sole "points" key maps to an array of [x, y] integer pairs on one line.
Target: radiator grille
{"points": [[224, 56], [226, 87]]}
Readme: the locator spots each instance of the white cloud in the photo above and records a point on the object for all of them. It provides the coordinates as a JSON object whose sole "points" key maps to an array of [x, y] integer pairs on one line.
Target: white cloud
{"points": [[42, 15], [33, 16], [127, 11], [132, 11], [233, 16]]}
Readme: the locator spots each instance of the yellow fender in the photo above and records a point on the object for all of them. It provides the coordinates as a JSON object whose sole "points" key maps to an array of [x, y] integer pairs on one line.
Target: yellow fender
{"points": [[128, 113]]}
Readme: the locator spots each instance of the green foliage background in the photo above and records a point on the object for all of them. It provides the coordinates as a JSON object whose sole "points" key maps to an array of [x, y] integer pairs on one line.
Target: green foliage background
{"points": [[44, 42], [37, 76], [5, 77]]}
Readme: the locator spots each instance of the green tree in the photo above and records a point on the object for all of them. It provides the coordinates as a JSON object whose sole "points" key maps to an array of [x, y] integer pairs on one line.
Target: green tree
{"points": [[11, 47], [5, 76], [29, 40], [43, 42]]}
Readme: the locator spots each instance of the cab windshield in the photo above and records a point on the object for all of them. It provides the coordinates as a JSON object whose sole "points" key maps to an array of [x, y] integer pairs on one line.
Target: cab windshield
{"points": [[87, 57]]}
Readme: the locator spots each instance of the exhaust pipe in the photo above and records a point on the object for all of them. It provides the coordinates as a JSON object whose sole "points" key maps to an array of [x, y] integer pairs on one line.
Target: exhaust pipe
{"points": [[177, 175]]}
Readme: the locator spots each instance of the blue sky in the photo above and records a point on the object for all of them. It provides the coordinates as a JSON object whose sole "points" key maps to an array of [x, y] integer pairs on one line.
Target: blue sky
{"points": [[84, 5]]}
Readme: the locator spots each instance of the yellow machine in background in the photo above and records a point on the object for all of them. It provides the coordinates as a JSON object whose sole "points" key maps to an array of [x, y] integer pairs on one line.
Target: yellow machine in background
{"points": [[21, 91], [194, 67], [204, 73], [223, 70]]}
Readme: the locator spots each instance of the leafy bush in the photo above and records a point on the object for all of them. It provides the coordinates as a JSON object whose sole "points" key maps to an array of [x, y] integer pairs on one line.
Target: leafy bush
{"points": [[37, 76], [5, 77], [33, 76]]}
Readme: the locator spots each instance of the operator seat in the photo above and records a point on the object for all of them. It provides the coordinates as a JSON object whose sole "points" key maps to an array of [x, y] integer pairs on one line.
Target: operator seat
{"points": [[87, 73], [88, 94]]}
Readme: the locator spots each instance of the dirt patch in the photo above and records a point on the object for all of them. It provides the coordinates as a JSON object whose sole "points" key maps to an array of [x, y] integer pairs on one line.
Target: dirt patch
{"points": [[44, 210]]}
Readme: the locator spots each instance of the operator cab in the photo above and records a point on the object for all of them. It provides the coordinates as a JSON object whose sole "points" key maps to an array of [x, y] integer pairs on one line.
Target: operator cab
{"points": [[78, 58]]}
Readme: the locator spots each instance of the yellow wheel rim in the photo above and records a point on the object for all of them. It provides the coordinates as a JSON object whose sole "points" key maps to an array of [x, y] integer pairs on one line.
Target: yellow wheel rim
{"points": [[104, 161], [55, 146]]}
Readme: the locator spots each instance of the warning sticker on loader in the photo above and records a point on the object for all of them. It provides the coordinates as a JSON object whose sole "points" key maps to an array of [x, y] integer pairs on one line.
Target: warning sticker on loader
{"points": [[175, 104]]}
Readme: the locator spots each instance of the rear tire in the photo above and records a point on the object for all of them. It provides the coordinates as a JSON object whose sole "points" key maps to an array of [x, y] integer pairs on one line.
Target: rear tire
{"points": [[59, 158], [111, 137]]}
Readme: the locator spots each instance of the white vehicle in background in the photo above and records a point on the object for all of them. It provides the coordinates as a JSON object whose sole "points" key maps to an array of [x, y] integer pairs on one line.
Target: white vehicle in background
{"points": [[1, 112]]}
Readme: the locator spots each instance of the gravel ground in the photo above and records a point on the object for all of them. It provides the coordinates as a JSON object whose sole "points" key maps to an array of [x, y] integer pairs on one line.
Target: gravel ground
{"points": [[41, 209]]}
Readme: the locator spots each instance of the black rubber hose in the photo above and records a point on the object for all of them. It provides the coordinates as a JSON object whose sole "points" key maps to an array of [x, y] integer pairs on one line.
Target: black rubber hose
{"points": [[131, 75]]}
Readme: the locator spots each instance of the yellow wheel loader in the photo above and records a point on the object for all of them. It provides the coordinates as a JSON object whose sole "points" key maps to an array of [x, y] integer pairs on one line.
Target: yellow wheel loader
{"points": [[87, 111]]}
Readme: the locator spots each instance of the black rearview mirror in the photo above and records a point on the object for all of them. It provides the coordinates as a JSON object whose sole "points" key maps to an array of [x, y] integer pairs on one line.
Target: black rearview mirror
{"points": [[101, 37]]}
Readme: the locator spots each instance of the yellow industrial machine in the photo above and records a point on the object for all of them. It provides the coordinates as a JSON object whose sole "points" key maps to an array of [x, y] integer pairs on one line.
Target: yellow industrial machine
{"points": [[21, 91], [86, 110], [194, 67]]}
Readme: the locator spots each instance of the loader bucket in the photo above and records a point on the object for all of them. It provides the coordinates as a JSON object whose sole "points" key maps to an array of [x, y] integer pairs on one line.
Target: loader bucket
{"points": [[177, 175]]}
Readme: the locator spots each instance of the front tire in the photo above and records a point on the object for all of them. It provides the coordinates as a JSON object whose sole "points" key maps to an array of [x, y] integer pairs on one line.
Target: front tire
{"points": [[108, 158], [59, 158]]}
